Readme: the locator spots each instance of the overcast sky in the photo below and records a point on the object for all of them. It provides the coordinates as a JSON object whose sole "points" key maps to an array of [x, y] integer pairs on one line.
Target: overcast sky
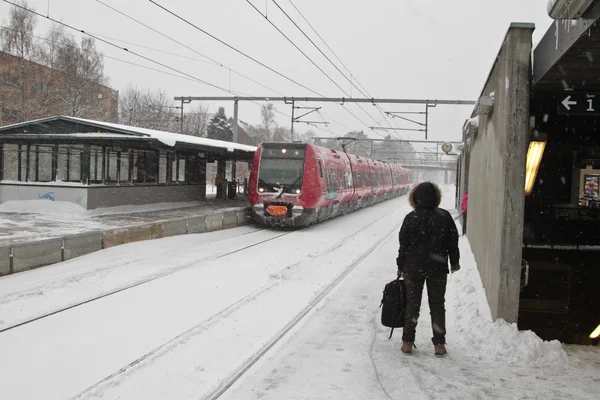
{"points": [[436, 49]]}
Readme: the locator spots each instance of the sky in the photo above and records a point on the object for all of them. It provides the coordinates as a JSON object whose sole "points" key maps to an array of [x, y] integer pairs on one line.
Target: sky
{"points": [[408, 49]]}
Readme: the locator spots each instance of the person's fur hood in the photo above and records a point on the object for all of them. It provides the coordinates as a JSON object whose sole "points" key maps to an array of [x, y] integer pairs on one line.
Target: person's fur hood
{"points": [[425, 195]]}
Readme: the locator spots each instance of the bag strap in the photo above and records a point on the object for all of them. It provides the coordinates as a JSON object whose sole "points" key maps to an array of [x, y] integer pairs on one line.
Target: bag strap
{"points": [[391, 333]]}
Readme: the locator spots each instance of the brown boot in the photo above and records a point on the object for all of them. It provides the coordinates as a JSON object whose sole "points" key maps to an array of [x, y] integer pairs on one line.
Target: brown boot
{"points": [[440, 349], [407, 347]]}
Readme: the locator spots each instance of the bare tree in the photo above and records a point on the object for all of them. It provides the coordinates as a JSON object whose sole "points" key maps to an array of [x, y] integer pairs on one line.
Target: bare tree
{"points": [[81, 73], [18, 43], [267, 113], [148, 109], [17, 38], [195, 122]]}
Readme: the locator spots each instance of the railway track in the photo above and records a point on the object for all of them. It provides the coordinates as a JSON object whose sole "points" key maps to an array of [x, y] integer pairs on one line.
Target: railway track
{"points": [[228, 383], [169, 345], [142, 282]]}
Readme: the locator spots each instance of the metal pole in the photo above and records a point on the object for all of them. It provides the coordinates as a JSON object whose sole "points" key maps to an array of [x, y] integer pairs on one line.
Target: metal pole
{"points": [[426, 119], [235, 121], [181, 116], [292, 129], [371, 149], [235, 140]]}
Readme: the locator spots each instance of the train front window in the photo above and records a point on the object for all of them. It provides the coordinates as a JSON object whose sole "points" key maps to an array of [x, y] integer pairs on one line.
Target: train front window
{"points": [[281, 170]]}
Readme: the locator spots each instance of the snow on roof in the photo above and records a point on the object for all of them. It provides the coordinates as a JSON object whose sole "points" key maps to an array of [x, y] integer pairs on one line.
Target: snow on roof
{"points": [[169, 138], [166, 138]]}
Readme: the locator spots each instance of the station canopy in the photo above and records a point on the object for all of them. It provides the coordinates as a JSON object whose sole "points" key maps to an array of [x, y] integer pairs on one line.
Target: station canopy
{"points": [[83, 131], [568, 56]]}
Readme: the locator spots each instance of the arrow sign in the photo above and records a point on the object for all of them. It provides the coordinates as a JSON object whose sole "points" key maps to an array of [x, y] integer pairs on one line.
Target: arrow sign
{"points": [[578, 103], [568, 103]]}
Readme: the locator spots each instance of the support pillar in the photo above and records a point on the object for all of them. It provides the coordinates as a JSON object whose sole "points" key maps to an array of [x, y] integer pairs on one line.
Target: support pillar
{"points": [[235, 140], [221, 181]]}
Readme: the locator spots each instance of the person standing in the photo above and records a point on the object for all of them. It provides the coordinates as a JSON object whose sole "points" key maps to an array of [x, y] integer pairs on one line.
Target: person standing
{"points": [[428, 238], [463, 206]]}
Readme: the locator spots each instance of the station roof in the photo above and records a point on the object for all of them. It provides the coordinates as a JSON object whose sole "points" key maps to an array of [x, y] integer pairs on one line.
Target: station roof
{"points": [[568, 56], [95, 132]]}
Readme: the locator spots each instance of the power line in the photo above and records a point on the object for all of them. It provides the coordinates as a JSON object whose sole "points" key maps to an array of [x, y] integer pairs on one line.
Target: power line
{"points": [[364, 92], [215, 62], [315, 45], [297, 48], [233, 48], [244, 54], [106, 56], [118, 47], [319, 68], [183, 44]]}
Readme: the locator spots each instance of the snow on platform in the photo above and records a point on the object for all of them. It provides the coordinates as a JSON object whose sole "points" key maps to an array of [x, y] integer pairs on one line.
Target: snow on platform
{"points": [[31, 220]]}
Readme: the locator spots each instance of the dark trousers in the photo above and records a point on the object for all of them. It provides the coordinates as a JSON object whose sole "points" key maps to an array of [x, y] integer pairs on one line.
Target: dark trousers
{"points": [[436, 292], [464, 224]]}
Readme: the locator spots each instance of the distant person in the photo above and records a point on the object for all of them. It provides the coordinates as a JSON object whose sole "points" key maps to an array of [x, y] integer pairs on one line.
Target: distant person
{"points": [[463, 206], [427, 238]]}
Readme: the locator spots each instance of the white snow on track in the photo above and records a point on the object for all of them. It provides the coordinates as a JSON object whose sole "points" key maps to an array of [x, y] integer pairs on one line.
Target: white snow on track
{"points": [[184, 334]]}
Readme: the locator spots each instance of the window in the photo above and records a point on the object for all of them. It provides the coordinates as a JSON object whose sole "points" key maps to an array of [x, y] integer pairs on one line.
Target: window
{"points": [[96, 164], [10, 162], [39, 87], [320, 170], [12, 80], [112, 167], [44, 164], [163, 171]]}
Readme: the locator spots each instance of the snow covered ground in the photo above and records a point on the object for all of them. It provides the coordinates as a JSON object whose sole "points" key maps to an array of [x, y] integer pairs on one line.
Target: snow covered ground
{"points": [[182, 335], [29, 220]]}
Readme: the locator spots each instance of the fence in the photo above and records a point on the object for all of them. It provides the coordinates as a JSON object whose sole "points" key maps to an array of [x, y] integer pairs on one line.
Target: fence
{"points": [[25, 256]]}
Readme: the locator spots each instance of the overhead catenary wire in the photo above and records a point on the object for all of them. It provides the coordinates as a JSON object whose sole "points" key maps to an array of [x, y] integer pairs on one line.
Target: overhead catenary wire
{"points": [[364, 92], [246, 55], [234, 48], [183, 44], [319, 68]]}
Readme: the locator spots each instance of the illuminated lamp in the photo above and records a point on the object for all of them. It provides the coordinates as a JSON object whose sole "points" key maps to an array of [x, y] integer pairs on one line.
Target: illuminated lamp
{"points": [[534, 158], [596, 333], [283, 151], [568, 9]]}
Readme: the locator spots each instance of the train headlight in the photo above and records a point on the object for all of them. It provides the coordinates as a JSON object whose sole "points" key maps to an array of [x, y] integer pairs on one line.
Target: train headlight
{"points": [[283, 151], [261, 189], [298, 191]]}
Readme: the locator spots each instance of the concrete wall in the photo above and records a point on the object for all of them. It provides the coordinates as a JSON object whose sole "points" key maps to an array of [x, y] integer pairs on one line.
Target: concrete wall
{"points": [[33, 255], [78, 245], [111, 196], [5, 260], [17, 192], [495, 167]]}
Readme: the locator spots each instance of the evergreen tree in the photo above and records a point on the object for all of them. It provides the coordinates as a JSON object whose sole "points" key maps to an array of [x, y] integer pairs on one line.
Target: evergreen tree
{"points": [[218, 128]]}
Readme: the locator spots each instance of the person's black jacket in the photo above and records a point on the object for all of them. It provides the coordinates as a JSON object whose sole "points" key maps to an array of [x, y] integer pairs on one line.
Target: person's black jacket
{"points": [[428, 236]]}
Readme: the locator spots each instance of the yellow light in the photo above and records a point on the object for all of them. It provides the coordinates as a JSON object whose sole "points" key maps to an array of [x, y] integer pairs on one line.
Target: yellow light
{"points": [[596, 333], [261, 190], [296, 153], [534, 158], [283, 150], [298, 191]]}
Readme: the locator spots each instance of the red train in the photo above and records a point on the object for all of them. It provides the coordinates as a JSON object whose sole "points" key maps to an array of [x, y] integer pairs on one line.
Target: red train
{"points": [[297, 184]]}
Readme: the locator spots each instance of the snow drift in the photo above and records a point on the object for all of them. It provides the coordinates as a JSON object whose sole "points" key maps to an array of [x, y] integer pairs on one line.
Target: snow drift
{"points": [[471, 328]]}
